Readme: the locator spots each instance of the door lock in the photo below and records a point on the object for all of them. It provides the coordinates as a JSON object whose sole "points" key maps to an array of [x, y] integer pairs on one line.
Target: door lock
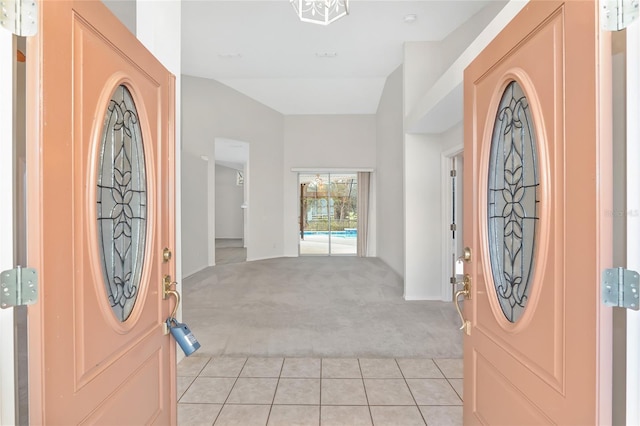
{"points": [[166, 255], [466, 254]]}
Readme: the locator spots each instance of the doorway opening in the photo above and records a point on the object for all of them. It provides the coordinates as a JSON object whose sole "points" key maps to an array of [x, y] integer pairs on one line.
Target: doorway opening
{"points": [[452, 206], [231, 200], [328, 215]]}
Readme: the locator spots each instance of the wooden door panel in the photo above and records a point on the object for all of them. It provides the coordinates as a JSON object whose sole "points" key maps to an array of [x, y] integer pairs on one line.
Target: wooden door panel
{"points": [[87, 365], [537, 64], [99, 68], [116, 410], [546, 366], [514, 403]]}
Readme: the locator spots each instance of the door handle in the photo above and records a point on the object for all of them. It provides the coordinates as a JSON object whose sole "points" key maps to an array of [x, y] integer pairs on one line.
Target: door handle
{"points": [[167, 290], [466, 294]]}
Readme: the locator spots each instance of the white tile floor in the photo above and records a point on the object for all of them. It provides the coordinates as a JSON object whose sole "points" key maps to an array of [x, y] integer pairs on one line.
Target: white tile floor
{"points": [[314, 391]]}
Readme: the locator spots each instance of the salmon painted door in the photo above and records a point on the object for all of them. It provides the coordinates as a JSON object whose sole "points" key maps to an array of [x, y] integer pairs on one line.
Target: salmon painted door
{"points": [[100, 201], [538, 181]]}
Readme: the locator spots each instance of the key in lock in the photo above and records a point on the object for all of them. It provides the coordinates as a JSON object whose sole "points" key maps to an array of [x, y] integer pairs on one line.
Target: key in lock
{"points": [[183, 335]]}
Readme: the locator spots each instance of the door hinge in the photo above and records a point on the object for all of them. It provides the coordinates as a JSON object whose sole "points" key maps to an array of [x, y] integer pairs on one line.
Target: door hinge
{"points": [[453, 173], [620, 288], [616, 15], [19, 16], [18, 287], [453, 227]]}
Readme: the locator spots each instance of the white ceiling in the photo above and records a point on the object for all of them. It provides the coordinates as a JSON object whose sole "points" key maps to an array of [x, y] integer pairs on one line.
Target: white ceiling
{"points": [[231, 153], [261, 49]]}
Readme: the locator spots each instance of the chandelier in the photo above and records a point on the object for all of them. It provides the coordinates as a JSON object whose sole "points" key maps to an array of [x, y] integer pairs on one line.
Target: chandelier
{"points": [[321, 12]]}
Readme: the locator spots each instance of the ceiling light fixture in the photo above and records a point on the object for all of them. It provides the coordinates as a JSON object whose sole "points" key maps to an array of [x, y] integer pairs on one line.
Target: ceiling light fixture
{"points": [[321, 12]]}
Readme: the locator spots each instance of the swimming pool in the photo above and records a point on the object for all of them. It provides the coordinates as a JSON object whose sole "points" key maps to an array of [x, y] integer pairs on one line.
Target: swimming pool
{"points": [[347, 233]]}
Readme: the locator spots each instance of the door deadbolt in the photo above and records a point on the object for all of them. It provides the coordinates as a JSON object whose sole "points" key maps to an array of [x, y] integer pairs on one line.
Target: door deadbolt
{"points": [[466, 254], [166, 255]]}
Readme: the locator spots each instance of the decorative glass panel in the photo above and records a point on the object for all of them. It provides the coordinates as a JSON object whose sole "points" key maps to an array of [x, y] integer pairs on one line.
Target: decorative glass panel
{"points": [[513, 201], [122, 203]]}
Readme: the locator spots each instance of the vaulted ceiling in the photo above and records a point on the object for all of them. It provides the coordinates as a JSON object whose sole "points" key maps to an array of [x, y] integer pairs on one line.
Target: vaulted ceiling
{"points": [[261, 49]]}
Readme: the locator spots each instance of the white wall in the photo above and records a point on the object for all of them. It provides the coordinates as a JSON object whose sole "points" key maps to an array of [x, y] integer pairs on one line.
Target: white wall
{"points": [[325, 141], [425, 62], [194, 213], [229, 198], [432, 91], [125, 10], [452, 138], [158, 25], [422, 66], [389, 174], [422, 188], [457, 41], [210, 110], [438, 104], [423, 222]]}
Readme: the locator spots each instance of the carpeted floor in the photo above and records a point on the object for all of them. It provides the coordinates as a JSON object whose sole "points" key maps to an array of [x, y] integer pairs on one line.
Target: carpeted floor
{"points": [[230, 250], [315, 307]]}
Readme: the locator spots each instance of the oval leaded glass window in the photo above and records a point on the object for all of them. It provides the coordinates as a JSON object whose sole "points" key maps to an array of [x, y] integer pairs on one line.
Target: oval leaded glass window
{"points": [[122, 203], [513, 200]]}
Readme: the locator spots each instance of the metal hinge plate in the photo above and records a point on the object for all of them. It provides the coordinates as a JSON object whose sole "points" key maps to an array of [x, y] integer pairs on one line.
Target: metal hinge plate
{"points": [[620, 288], [616, 15], [453, 227], [18, 286], [19, 16], [453, 173]]}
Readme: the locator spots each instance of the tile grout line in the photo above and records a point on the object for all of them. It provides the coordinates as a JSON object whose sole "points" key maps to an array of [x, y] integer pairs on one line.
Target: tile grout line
{"points": [[438, 367], [231, 390], [365, 390], [452, 387], [448, 382], [276, 390], [320, 406], [185, 391], [192, 382], [410, 391]]}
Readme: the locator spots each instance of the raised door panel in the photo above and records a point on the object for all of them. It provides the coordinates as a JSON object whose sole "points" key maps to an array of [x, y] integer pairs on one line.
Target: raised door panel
{"points": [[537, 66]]}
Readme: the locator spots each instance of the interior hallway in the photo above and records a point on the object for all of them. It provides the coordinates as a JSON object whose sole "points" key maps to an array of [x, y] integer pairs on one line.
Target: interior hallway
{"points": [[319, 341]]}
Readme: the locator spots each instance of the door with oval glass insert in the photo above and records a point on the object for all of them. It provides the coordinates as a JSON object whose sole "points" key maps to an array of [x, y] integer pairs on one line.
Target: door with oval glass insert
{"points": [[101, 201], [537, 181]]}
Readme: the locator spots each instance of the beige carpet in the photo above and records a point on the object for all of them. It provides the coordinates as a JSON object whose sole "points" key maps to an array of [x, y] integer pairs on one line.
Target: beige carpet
{"points": [[317, 307], [230, 250]]}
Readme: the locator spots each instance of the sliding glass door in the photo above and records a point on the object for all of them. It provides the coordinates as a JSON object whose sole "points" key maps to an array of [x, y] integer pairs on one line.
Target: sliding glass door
{"points": [[328, 213]]}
